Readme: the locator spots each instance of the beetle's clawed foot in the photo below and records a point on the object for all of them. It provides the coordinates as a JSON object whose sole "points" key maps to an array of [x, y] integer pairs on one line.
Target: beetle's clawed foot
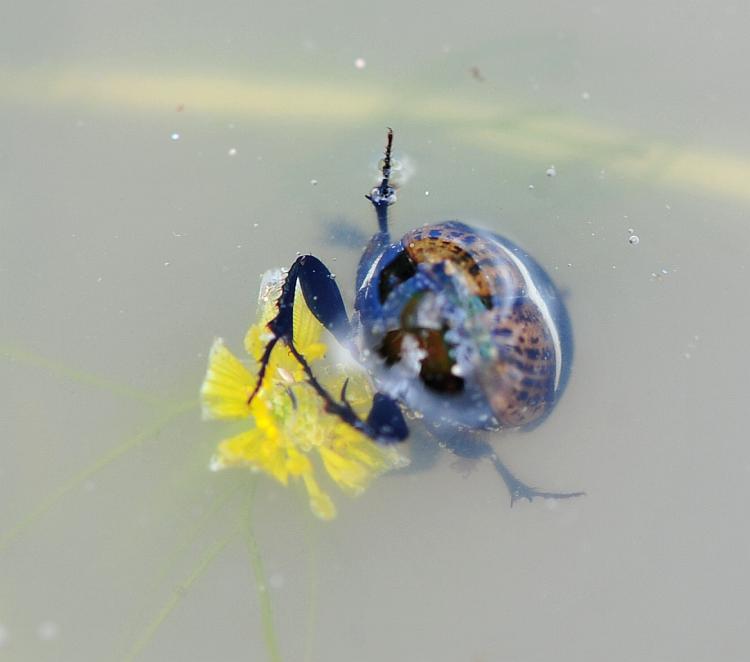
{"points": [[342, 408], [522, 491], [519, 490]]}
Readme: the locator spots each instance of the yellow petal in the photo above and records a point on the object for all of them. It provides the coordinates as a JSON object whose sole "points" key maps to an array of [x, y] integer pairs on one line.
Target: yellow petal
{"points": [[272, 460], [350, 475], [307, 329], [376, 457], [256, 339], [288, 418], [253, 449], [358, 390], [320, 503], [297, 464], [238, 451], [227, 385]]}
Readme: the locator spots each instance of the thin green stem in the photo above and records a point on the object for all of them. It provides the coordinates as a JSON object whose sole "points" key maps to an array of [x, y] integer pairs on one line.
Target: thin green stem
{"points": [[261, 584], [311, 534], [177, 596], [192, 535], [16, 354], [86, 473]]}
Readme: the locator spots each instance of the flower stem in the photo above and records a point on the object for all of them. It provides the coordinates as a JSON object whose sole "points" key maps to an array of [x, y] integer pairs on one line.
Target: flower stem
{"points": [[311, 535], [96, 466], [261, 583], [177, 596]]}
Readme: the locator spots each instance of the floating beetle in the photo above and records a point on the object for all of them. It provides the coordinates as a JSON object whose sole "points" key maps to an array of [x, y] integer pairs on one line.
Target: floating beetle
{"points": [[456, 323]]}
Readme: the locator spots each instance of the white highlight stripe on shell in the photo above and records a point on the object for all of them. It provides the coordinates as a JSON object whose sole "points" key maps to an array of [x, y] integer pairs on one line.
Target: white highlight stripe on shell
{"points": [[536, 296]]}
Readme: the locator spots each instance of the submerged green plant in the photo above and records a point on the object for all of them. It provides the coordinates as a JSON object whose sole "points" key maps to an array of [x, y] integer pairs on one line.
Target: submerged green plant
{"points": [[170, 412]]}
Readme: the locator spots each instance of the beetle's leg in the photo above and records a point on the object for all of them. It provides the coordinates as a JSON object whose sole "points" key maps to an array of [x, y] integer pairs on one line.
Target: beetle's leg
{"points": [[473, 448], [384, 195], [520, 490], [385, 421]]}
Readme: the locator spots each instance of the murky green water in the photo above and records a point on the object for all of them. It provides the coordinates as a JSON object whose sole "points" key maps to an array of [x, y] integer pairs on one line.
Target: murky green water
{"points": [[154, 162]]}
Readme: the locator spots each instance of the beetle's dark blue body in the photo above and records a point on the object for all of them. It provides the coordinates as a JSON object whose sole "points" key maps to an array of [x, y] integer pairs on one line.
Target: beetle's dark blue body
{"points": [[456, 323]]}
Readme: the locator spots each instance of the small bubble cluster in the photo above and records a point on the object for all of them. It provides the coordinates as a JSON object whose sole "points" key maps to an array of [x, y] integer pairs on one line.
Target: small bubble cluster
{"points": [[662, 273]]}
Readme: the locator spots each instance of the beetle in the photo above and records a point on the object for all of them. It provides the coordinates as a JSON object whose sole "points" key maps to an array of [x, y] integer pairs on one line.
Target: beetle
{"points": [[453, 322]]}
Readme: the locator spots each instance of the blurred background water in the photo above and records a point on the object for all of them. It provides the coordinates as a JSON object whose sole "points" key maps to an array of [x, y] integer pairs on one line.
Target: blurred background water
{"points": [[155, 160]]}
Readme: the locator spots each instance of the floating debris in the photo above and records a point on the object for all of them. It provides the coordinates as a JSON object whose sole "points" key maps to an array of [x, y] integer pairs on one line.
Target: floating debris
{"points": [[476, 74]]}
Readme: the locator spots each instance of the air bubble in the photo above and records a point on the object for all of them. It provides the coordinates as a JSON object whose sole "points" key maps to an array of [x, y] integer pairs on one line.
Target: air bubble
{"points": [[48, 630], [634, 240], [401, 171], [551, 171]]}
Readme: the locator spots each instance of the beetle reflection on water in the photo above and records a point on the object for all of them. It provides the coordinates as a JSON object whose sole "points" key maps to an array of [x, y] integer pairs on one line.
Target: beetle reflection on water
{"points": [[453, 322]]}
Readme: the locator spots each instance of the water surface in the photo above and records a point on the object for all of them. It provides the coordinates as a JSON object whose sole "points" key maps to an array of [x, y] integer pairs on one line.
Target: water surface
{"points": [[155, 161]]}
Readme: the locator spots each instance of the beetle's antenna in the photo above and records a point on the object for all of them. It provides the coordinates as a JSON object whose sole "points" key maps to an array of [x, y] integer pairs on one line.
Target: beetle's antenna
{"points": [[384, 195]]}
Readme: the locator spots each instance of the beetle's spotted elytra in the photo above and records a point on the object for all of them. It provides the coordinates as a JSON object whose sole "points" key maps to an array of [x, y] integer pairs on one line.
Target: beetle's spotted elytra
{"points": [[454, 323]]}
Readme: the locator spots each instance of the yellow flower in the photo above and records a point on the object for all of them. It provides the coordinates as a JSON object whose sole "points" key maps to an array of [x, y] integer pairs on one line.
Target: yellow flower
{"points": [[290, 432]]}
